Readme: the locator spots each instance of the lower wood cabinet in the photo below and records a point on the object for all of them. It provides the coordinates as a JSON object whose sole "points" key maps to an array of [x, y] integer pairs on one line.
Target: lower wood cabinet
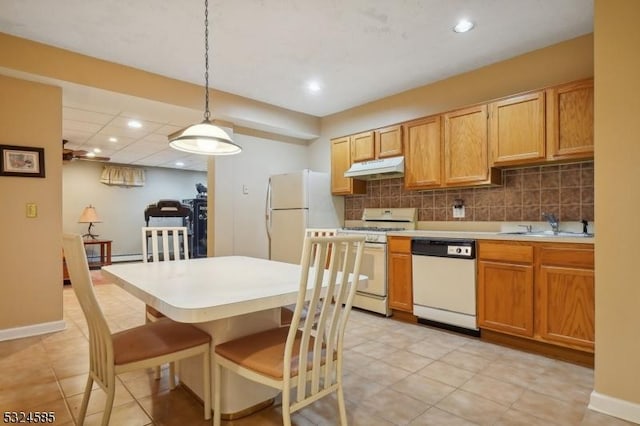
{"points": [[540, 291], [399, 274], [566, 308], [505, 287]]}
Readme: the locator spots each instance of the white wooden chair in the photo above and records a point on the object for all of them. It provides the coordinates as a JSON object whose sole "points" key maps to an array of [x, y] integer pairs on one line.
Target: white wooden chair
{"points": [[307, 354], [162, 244], [286, 312], [140, 347], [167, 243]]}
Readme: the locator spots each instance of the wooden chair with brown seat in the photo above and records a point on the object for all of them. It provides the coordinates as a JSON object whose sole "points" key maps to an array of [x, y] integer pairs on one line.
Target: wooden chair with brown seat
{"points": [[136, 348], [286, 312], [307, 354], [162, 244]]}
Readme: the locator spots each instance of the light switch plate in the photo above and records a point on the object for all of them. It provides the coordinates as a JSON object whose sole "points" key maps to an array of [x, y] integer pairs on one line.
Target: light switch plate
{"points": [[32, 210]]}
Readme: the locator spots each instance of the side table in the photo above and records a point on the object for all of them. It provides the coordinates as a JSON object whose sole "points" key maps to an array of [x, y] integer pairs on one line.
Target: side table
{"points": [[105, 253], [103, 260]]}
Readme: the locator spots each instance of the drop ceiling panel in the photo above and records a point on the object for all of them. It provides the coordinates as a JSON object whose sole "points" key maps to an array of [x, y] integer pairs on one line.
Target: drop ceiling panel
{"points": [[143, 146], [82, 126], [75, 137], [76, 114]]}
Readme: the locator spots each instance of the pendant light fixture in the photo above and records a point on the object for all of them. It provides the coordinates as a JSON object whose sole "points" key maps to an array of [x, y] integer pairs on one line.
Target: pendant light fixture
{"points": [[204, 138]]}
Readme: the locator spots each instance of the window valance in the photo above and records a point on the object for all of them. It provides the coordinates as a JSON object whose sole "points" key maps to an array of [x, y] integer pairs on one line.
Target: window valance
{"points": [[122, 176]]}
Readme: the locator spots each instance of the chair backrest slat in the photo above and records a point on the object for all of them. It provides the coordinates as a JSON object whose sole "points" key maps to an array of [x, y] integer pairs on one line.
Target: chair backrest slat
{"points": [[321, 232], [328, 264], [100, 343], [167, 243]]}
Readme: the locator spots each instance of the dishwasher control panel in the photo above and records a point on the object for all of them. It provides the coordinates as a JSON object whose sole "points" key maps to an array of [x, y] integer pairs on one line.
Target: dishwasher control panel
{"points": [[459, 251], [440, 247]]}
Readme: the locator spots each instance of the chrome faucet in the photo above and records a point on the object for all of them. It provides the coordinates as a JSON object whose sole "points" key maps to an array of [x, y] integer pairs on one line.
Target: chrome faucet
{"points": [[553, 221]]}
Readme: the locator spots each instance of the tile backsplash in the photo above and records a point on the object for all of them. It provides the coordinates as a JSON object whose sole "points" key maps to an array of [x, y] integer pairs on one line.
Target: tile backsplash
{"points": [[565, 190]]}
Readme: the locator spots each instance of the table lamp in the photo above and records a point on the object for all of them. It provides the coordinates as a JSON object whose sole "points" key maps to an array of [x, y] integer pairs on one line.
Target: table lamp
{"points": [[89, 216]]}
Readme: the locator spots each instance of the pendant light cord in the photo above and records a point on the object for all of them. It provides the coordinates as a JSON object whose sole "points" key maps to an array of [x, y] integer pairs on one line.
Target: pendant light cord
{"points": [[207, 114]]}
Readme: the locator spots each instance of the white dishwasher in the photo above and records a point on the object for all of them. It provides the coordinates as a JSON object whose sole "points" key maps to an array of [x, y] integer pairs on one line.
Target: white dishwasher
{"points": [[444, 283]]}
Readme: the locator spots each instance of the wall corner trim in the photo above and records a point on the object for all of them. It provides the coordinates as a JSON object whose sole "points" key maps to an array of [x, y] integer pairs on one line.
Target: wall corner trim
{"points": [[32, 330], [616, 407]]}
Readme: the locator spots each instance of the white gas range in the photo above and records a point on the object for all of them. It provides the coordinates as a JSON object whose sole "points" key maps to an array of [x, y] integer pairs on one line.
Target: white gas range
{"points": [[376, 223]]}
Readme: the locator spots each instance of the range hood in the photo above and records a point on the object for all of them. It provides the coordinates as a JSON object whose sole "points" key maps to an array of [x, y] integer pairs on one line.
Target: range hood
{"points": [[384, 168]]}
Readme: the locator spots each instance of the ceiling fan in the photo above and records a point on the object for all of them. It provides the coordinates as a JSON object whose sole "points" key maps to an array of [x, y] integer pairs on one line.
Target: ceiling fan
{"points": [[72, 154]]}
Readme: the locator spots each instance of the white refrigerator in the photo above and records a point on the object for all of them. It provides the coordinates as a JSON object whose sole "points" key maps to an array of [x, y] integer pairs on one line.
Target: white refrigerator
{"points": [[297, 201]]}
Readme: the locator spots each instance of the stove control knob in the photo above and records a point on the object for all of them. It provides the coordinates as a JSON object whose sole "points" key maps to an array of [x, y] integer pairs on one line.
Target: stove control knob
{"points": [[458, 250]]}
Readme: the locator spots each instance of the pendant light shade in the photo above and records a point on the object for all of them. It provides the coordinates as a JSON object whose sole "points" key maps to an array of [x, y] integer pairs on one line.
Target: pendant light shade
{"points": [[204, 138]]}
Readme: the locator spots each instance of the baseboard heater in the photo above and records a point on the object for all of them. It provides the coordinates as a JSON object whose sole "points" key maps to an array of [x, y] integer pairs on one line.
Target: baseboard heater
{"points": [[118, 258]]}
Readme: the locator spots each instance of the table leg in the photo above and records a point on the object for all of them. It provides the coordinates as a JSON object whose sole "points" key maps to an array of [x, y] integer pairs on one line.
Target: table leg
{"points": [[240, 395], [108, 258]]}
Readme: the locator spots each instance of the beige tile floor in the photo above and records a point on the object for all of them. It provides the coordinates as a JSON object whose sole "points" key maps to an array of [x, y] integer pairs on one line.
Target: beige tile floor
{"points": [[395, 374]]}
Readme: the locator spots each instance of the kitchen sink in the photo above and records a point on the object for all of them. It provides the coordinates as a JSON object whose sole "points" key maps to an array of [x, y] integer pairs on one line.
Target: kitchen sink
{"points": [[548, 234]]}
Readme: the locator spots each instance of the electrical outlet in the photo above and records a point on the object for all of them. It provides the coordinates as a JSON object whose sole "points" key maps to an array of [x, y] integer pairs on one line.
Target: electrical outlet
{"points": [[458, 212]]}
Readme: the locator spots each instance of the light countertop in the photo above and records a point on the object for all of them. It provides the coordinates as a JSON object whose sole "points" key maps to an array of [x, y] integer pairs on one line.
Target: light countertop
{"points": [[492, 235]]}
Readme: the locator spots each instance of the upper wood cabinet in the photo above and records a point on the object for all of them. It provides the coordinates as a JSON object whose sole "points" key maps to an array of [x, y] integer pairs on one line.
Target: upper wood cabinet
{"points": [[380, 143], [422, 153], [570, 121], [400, 281], [340, 163], [388, 141], [362, 147], [465, 148], [551, 125], [517, 129]]}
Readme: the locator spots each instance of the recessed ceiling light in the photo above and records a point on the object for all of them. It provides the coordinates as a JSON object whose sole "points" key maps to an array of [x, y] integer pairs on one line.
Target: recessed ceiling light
{"points": [[463, 26], [313, 86], [97, 150], [134, 124], [179, 163], [112, 139]]}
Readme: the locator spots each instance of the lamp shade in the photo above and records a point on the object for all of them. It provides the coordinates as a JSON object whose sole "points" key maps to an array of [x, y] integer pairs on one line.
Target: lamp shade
{"points": [[89, 215], [204, 138]]}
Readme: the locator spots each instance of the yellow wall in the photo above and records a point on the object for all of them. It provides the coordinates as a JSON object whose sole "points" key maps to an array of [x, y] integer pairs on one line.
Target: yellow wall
{"points": [[617, 175], [30, 250]]}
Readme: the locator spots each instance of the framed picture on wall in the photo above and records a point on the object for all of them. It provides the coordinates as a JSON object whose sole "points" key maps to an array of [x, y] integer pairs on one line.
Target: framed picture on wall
{"points": [[21, 161]]}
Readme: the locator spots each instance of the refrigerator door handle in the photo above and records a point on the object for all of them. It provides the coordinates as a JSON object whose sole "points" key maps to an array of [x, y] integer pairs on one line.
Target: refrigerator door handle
{"points": [[267, 215]]}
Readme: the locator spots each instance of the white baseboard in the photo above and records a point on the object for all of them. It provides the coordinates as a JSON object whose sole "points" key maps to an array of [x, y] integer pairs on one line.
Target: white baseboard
{"points": [[32, 330], [620, 408]]}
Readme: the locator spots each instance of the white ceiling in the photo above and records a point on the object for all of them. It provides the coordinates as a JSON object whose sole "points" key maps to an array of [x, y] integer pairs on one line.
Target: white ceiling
{"points": [[358, 50]]}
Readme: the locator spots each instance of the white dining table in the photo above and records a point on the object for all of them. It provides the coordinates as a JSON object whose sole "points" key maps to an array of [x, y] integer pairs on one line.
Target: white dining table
{"points": [[228, 297]]}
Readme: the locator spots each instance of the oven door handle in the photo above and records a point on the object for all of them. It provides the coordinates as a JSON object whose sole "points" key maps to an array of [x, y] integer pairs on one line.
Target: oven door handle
{"points": [[375, 246]]}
